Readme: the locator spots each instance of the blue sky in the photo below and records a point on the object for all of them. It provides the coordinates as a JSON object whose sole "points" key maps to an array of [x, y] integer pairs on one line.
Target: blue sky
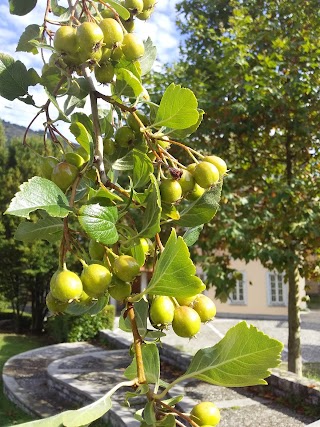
{"points": [[161, 28]]}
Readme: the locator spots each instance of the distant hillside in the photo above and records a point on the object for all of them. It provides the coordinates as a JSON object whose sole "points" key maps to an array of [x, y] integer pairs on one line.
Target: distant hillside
{"points": [[16, 131]]}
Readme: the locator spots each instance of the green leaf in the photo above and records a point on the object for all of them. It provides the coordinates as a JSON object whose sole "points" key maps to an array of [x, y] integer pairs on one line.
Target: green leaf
{"points": [[168, 421], [92, 308], [84, 120], [192, 235], [141, 309], [174, 273], [53, 100], [39, 193], [149, 414], [150, 55], [123, 12], [31, 32], [82, 135], [242, 358], [48, 228], [178, 108], [99, 223], [130, 81], [201, 210], [15, 78], [152, 214], [124, 163], [142, 169], [21, 7], [151, 363], [183, 133]]}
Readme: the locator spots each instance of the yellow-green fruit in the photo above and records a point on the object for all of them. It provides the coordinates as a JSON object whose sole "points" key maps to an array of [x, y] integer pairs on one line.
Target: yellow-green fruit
{"points": [[96, 250], [109, 146], [128, 24], [126, 268], [90, 36], [162, 311], [64, 174], [104, 73], [191, 167], [47, 165], [54, 305], [195, 193], [95, 279], [148, 4], [85, 298], [186, 300], [206, 413], [106, 55], [219, 163], [206, 174], [66, 40], [116, 53], [124, 136], [186, 181], [205, 307], [170, 190], [134, 124], [92, 56], [74, 159], [108, 13], [136, 6], [132, 47], [119, 290], [112, 32], [186, 322], [65, 285], [145, 14]]}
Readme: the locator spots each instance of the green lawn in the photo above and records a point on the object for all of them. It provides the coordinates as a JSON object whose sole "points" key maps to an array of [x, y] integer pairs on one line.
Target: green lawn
{"points": [[11, 344]]}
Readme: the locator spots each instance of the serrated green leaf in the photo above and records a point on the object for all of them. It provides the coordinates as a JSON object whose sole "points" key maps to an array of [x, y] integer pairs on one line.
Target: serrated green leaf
{"points": [[31, 32], [242, 358], [151, 363], [21, 7], [48, 228], [82, 135], [15, 78], [174, 273], [178, 108], [130, 80], [61, 12], [150, 55], [183, 133], [142, 169], [192, 235], [201, 210], [124, 163], [99, 223], [152, 215], [39, 193], [92, 308]]}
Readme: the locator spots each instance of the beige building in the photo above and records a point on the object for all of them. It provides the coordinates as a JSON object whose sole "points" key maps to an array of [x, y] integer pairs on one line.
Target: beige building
{"points": [[259, 292]]}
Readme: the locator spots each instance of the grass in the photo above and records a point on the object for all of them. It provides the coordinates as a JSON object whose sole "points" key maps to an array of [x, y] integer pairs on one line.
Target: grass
{"points": [[309, 370], [314, 303], [10, 345]]}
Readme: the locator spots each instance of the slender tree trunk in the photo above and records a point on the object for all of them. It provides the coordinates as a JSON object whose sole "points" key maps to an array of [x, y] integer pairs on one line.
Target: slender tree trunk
{"points": [[294, 321]]}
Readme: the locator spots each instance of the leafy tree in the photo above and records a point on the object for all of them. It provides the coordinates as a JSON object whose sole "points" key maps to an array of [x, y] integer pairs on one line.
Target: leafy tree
{"points": [[122, 192], [254, 66]]}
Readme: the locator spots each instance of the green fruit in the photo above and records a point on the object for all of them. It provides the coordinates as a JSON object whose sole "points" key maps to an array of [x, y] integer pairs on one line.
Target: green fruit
{"points": [[104, 73], [206, 174], [112, 32], [47, 165], [108, 13], [64, 174], [195, 193], [95, 279], [132, 122], [65, 285], [128, 24], [191, 167], [92, 56], [145, 14], [119, 290], [74, 159], [96, 250], [186, 181], [206, 413], [126, 268], [135, 6], [109, 146], [170, 190], [219, 163], [186, 322], [116, 53], [148, 4], [205, 307], [124, 136], [54, 305], [66, 40], [132, 47], [162, 311], [106, 55], [186, 300], [145, 244], [83, 153], [90, 36]]}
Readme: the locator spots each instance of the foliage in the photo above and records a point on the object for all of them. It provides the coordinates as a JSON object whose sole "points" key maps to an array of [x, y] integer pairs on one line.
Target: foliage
{"points": [[68, 328], [107, 186]]}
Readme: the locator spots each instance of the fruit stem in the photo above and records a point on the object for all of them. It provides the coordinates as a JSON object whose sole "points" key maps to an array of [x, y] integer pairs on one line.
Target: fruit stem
{"points": [[175, 302], [137, 341], [180, 414]]}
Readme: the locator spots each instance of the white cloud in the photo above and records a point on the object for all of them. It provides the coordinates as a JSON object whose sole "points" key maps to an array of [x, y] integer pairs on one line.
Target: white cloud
{"points": [[160, 28]]}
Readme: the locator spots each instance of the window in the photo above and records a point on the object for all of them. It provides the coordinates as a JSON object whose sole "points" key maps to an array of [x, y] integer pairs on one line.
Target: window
{"points": [[277, 289], [239, 294]]}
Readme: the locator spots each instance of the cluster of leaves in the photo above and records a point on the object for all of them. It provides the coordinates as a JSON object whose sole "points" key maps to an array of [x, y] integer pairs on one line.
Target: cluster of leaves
{"points": [[118, 184]]}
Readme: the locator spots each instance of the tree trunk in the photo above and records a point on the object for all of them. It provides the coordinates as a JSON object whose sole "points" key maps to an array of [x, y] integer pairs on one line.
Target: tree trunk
{"points": [[294, 344]]}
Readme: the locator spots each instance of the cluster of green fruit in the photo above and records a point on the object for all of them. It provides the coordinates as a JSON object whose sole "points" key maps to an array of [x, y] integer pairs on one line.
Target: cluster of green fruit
{"points": [[194, 181], [112, 275], [101, 44], [205, 414], [184, 314]]}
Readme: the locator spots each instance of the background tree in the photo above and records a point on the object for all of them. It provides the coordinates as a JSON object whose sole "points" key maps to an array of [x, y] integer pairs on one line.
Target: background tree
{"points": [[255, 70], [26, 268]]}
